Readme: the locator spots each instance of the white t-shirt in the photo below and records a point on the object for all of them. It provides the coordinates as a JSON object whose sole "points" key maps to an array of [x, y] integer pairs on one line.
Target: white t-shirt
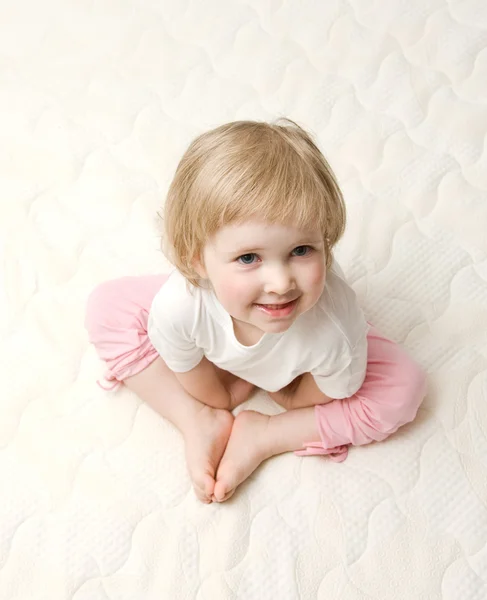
{"points": [[329, 340]]}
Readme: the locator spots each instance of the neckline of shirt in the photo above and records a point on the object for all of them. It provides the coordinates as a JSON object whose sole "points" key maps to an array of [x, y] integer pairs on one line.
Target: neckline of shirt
{"points": [[266, 339]]}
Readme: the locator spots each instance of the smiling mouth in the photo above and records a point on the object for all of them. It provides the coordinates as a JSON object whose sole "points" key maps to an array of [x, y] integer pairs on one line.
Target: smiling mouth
{"points": [[277, 306], [278, 310]]}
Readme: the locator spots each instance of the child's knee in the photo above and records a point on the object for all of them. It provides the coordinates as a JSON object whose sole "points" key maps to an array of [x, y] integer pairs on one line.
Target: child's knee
{"points": [[378, 410], [401, 403]]}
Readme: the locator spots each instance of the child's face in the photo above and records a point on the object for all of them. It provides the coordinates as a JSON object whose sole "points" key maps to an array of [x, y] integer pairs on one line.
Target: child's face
{"points": [[255, 265]]}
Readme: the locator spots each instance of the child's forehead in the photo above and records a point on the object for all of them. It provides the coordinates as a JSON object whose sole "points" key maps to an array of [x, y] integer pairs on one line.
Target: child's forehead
{"points": [[262, 234]]}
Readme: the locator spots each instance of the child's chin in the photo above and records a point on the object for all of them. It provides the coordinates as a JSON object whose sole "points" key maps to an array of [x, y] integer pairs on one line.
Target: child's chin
{"points": [[278, 327]]}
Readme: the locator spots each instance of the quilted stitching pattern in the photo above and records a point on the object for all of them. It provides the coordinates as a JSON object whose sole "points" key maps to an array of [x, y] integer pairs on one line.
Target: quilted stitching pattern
{"points": [[97, 102]]}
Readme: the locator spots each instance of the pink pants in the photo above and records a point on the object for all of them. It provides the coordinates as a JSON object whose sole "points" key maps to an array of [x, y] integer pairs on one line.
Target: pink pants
{"points": [[394, 386]]}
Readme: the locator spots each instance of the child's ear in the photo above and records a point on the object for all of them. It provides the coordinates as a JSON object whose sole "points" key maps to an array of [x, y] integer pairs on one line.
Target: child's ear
{"points": [[198, 265]]}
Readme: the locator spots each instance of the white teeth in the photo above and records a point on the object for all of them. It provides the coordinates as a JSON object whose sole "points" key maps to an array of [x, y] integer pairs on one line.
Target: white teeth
{"points": [[275, 306]]}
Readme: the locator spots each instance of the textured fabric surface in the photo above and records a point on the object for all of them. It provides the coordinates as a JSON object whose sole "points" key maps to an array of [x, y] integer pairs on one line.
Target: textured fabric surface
{"points": [[97, 102]]}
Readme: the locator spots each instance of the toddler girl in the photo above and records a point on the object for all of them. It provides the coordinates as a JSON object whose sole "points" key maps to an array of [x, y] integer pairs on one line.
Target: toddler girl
{"points": [[255, 299]]}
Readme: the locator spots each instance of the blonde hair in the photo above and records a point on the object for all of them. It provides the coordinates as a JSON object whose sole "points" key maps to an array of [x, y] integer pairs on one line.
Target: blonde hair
{"points": [[244, 170]]}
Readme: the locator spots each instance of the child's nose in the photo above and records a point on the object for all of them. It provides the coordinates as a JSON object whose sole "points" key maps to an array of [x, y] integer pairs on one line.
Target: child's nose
{"points": [[279, 280]]}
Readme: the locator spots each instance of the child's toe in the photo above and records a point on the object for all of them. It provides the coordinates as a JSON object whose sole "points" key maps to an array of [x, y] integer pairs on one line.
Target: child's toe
{"points": [[203, 485], [228, 495], [222, 491], [208, 485]]}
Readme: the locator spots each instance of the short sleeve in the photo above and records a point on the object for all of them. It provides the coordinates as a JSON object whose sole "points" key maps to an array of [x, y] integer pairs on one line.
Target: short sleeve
{"points": [[348, 375], [169, 329]]}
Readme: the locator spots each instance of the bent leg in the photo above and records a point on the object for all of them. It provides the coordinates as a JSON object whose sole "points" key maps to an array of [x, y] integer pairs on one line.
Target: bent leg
{"points": [[116, 319], [256, 437], [390, 396], [205, 430]]}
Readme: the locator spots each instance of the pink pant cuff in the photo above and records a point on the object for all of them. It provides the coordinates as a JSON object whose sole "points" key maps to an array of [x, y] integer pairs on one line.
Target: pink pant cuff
{"points": [[338, 454]]}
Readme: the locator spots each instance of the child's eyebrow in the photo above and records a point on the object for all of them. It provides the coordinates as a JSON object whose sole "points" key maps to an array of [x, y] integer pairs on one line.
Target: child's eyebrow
{"points": [[244, 250], [241, 251]]}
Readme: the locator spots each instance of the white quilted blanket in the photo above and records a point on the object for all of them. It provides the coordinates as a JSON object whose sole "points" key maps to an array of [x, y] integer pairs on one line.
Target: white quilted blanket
{"points": [[97, 102]]}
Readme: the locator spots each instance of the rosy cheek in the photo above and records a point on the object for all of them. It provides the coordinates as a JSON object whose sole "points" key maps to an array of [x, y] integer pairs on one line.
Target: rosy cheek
{"points": [[230, 291], [317, 275]]}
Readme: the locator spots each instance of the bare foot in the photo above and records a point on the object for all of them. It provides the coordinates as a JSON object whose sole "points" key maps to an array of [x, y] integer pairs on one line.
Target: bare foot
{"points": [[246, 449], [205, 439]]}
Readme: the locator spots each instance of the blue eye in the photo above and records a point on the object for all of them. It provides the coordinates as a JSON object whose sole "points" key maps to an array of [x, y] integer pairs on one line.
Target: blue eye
{"points": [[244, 258], [306, 249], [249, 259]]}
